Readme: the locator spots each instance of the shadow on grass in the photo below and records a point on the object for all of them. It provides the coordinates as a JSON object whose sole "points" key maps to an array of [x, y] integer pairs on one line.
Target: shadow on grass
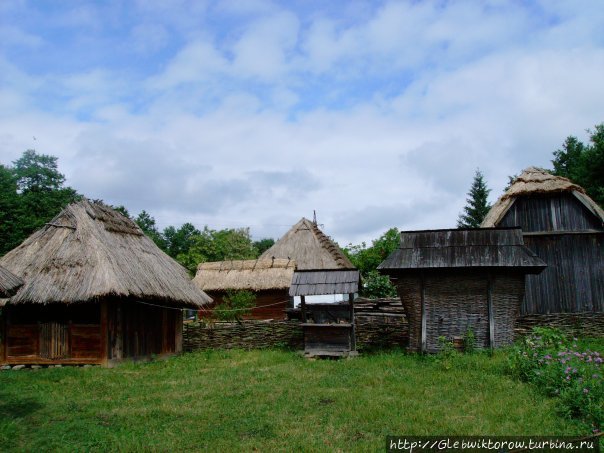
{"points": [[14, 408]]}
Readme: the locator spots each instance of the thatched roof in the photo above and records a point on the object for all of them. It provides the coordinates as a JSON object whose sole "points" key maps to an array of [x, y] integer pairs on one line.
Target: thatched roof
{"points": [[309, 247], [488, 248], [90, 251], [9, 283], [253, 275], [538, 181]]}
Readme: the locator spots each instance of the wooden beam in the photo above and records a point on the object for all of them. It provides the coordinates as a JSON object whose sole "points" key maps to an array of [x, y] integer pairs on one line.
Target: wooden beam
{"points": [[3, 335], [178, 331], [490, 308], [104, 334], [303, 308], [353, 339], [423, 301]]}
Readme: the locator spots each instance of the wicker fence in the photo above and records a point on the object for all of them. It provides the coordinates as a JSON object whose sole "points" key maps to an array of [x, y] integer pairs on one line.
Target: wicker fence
{"points": [[378, 324], [583, 324], [373, 330]]}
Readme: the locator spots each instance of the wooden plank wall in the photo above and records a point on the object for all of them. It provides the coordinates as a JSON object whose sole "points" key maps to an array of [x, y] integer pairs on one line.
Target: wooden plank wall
{"points": [[574, 279], [137, 330], [559, 212], [570, 239]]}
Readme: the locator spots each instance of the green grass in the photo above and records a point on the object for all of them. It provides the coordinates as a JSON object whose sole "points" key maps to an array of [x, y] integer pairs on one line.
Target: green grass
{"points": [[269, 400]]}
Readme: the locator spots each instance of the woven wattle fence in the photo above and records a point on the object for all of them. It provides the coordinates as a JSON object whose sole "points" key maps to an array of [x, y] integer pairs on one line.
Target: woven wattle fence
{"points": [[587, 324], [383, 327]]}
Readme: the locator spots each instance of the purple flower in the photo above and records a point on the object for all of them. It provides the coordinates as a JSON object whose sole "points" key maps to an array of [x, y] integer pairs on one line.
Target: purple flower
{"points": [[547, 357]]}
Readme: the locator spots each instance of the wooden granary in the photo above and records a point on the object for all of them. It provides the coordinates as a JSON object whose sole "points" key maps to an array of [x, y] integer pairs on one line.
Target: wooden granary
{"points": [[565, 228], [95, 290], [454, 281]]}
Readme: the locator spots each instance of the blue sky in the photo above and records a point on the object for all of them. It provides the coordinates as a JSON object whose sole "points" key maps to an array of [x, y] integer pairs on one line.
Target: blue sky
{"points": [[254, 113]]}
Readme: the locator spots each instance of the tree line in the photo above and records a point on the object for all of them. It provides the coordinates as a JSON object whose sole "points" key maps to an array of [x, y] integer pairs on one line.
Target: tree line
{"points": [[33, 191]]}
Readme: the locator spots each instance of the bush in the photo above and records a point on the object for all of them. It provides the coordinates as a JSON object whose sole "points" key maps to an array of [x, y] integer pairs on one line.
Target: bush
{"points": [[235, 305], [558, 368]]}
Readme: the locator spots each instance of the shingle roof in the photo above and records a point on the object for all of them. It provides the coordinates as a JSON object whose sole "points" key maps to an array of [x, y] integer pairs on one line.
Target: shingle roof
{"points": [[310, 283], [462, 248]]}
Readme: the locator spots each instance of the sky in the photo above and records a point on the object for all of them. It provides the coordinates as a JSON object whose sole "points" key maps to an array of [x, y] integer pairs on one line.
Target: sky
{"points": [[255, 113]]}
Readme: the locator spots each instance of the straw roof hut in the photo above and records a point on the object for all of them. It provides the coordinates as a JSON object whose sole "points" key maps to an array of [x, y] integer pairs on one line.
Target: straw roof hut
{"points": [[309, 247], [565, 228], [269, 279], [9, 283], [96, 290]]}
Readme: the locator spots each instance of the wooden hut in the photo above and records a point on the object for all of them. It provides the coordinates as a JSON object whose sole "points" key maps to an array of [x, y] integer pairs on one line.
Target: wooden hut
{"points": [[565, 228], [268, 279], [97, 290], [453, 281]]}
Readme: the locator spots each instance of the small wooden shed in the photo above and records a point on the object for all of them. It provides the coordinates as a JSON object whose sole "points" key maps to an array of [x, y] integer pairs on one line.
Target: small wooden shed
{"points": [[268, 279], [453, 281], [96, 290], [328, 327], [565, 228]]}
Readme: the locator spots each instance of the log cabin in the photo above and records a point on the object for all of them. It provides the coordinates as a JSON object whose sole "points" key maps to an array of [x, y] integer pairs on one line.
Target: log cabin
{"points": [[96, 291]]}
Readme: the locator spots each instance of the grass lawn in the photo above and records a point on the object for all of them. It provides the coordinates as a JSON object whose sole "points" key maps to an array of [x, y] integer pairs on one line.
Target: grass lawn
{"points": [[271, 399]]}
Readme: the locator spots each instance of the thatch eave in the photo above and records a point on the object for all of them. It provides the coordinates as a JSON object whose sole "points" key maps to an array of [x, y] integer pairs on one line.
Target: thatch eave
{"points": [[253, 275]]}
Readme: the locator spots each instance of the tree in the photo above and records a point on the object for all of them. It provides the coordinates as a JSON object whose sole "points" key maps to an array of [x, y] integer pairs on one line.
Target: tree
{"points": [[9, 202], [583, 164], [263, 245], [218, 245], [367, 259], [477, 205], [147, 223], [179, 241], [32, 192]]}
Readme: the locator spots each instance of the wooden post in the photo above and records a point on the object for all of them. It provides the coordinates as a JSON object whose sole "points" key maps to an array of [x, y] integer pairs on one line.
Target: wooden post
{"points": [[490, 309], [178, 332], [423, 301], [353, 339], [104, 335], [303, 308], [3, 335]]}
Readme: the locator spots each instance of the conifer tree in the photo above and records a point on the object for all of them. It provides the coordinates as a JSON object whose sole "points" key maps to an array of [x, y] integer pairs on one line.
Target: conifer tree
{"points": [[477, 205]]}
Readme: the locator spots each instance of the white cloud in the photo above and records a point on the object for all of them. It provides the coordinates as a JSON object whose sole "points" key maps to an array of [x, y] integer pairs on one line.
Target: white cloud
{"points": [[373, 117]]}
